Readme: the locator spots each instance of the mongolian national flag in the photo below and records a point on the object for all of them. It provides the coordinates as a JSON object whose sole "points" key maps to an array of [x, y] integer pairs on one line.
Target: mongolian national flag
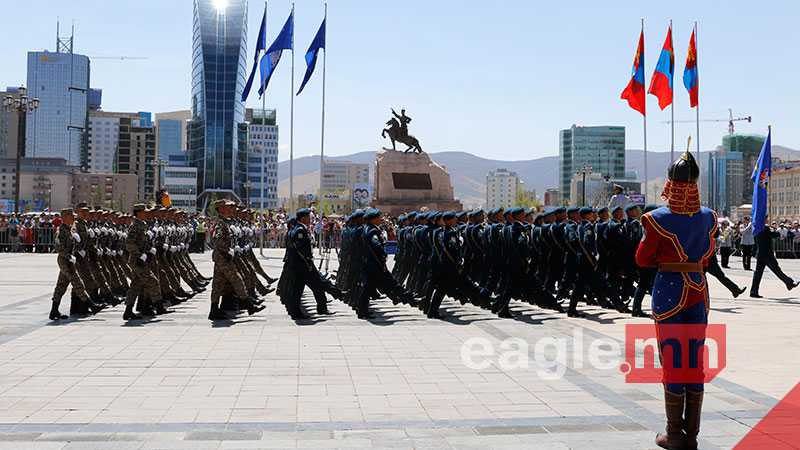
{"points": [[761, 174], [690, 75], [634, 91], [661, 83], [261, 44], [270, 60]]}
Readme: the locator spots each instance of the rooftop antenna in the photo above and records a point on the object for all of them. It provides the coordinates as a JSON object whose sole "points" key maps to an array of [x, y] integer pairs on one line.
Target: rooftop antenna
{"points": [[64, 44]]}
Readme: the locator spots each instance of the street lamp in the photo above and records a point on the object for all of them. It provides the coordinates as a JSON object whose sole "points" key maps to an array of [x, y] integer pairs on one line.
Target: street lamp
{"points": [[585, 170], [22, 105], [158, 164]]}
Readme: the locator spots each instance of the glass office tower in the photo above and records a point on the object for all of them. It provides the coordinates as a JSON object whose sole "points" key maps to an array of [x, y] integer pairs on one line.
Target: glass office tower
{"points": [[217, 146], [61, 82]]}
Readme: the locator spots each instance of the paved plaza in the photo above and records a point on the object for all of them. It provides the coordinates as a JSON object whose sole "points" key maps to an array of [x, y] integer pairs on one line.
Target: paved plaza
{"points": [[398, 381]]}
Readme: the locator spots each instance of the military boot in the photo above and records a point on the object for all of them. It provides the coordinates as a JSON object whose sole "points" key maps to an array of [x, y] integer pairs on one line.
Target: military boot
{"points": [[216, 313], [691, 425], [55, 314], [674, 438], [129, 314]]}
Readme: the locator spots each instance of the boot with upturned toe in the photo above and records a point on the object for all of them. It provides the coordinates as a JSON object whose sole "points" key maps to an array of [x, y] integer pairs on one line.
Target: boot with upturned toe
{"points": [[674, 438]]}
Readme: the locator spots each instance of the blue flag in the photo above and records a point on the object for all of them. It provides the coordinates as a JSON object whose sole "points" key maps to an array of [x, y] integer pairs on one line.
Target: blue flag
{"points": [[761, 175], [311, 55], [261, 44], [270, 60]]}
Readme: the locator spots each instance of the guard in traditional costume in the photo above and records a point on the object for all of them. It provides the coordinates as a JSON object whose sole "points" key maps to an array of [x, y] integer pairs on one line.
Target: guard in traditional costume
{"points": [[678, 241]]}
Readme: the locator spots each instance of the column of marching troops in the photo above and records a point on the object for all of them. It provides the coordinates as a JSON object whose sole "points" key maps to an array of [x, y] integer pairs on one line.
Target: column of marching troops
{"points": [[142, 260], [580, 255]]}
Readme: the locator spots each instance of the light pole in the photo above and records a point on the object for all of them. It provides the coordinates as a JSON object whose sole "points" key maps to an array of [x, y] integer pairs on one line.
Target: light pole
{"points": [[585, 170], [22, 105], [157, 165]]}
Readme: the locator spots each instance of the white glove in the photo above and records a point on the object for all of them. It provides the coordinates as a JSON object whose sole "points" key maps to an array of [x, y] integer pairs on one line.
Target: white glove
{"points": [[152, 250], [72, 259], [231, 252], [247, 247], [173, 248], [76, 236], [165, 246], [143, 257], [82, 253], [90, 232], [149, 234]]}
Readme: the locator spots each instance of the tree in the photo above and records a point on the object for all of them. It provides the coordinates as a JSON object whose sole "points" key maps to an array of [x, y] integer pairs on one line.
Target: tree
{"points": [[525, 199]]}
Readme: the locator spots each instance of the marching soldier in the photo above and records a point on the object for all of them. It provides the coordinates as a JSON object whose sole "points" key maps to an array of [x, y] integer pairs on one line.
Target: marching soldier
{"points": [[66, 240]]}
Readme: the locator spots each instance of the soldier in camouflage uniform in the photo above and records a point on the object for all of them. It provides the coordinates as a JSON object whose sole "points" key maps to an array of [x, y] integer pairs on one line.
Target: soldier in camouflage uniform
{"points": [[141, 257], [226, 275], [66, 240]]}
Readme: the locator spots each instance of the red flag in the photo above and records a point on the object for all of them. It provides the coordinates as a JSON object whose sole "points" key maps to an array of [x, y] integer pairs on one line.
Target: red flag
{"points": [[690, 77], [661, 83], [634, 91]]}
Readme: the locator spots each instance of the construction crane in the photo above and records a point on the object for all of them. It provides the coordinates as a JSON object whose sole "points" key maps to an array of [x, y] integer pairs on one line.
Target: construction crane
{"points": [[118, 58], [730, 120]]}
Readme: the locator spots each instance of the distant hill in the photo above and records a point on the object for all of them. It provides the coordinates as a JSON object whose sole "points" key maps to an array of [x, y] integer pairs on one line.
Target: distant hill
{"points": [[468, 171]]}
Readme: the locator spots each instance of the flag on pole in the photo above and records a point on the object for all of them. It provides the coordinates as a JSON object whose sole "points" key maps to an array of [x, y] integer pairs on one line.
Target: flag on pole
{"points": [[272, 57], [311, 54], [634, 91], [690, 76], [261, 44], [761, 174], [661, 83]]}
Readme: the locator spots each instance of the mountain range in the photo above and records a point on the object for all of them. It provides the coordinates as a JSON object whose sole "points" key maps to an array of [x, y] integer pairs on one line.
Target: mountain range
{"points": [[468, 171]]}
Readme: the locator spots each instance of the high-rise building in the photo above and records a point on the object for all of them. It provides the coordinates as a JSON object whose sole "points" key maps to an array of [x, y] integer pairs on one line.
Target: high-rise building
{"points": [[262, 157], [725, 193], [217, 130], [44, 183], [9, 127], [181, 183], [602, 148], [171, 139], [749, 145], [102, 142], [108, 190], [552, 197], [502, 186], [784, 193], [57, 128]]}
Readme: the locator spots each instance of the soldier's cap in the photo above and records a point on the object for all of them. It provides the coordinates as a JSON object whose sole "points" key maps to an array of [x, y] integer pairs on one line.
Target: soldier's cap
{"points": [[602, 210], [632, 206], [573, 210], [67, 212], [401, 217], [538, 216], [560, 210], [412, 215], [549, 212], [447, 215], [617, 208], [585, 210], [650, 207], [530, 211], [357, 214], [82, 205], [461, 214], [302, 212], [372, 213], [517, 211], [477, 212], [139, 207]]}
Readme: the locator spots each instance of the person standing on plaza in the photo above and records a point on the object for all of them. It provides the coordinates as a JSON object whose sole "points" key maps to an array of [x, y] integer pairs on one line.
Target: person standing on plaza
{"points": [[725, 243], [618, 198], [678, 241], [766, 258], [748, 243]]}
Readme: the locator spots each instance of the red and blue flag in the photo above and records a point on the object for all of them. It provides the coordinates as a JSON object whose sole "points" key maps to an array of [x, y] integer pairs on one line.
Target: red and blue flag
{"points": [[690, 76], [634, 91], [661, 83]]}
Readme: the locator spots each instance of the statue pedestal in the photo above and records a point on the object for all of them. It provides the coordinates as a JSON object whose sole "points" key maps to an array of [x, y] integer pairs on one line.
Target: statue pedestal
{"points": [[409, 181]]}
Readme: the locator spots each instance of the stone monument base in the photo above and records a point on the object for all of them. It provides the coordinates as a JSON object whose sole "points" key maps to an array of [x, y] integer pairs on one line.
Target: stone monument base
{"points": [[409, 181]]}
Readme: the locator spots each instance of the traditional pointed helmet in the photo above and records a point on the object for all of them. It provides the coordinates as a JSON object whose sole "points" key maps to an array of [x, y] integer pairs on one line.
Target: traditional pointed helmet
{"points": [[684, 169]]}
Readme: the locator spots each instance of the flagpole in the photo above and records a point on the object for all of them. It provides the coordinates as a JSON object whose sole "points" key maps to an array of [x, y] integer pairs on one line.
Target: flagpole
{"points": [[672, 105], [697, 109], [263, 150], [322, 134], [291, 129], [644, 123]]}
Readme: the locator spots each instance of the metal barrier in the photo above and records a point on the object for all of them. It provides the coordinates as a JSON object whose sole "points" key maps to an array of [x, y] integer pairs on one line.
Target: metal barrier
{"points": [[786, 248], [29, 239]]}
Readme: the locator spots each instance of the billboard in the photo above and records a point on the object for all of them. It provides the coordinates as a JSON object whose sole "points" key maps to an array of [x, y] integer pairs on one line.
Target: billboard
{"points": [[362, 195]]}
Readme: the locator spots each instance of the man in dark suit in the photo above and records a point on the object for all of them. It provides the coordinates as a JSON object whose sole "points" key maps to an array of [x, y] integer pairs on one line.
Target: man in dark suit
{"points": [[766, 258]]}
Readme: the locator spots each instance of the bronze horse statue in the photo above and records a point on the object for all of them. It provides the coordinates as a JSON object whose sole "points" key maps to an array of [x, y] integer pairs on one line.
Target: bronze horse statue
{"points": [[400, 134]]}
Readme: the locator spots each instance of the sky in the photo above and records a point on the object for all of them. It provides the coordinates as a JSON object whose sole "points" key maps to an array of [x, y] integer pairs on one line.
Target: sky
{"points": [[496, 79]]}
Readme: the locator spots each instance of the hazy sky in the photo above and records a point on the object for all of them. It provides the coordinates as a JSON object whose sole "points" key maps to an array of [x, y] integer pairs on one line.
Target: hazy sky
{"points": [[497, 79]]}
